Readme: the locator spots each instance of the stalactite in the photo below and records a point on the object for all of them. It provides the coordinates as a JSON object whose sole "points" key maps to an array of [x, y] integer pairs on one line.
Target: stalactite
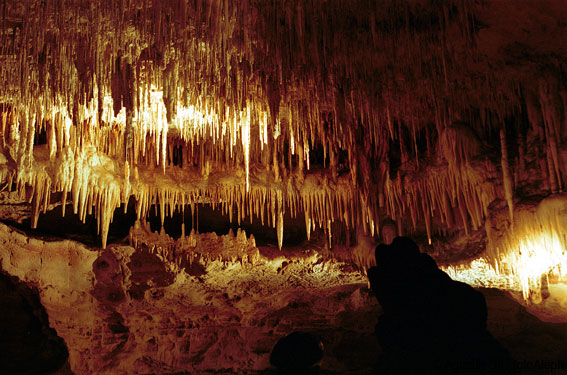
{"points": [[550, 168], [521, 166], [551, 125], [242, 86], [506, 177]]}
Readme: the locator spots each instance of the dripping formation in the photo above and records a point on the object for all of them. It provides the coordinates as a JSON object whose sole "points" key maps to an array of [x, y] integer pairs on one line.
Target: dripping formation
{"points": [[379, 110]]}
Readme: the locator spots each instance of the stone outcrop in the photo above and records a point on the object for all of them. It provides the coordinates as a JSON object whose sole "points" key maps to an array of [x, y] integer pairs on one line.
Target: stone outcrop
{"points": [[128, 311]]}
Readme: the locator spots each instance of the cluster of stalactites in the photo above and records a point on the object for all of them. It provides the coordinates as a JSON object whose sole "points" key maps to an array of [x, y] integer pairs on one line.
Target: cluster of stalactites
{"points": [[320, 204], [546, 109], [98, 184], [237, 86], [458, 195], [528, 257], [457, 198], [250, 77]]}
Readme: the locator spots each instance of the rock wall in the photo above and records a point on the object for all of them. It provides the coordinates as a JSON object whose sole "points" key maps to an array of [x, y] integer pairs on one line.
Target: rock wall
{"points": [[133, 311], [127, 311]]}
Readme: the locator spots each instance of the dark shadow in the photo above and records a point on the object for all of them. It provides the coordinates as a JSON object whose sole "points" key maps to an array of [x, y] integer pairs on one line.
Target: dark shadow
{"points": [[209, 220], [298, 353], [430, 324], [28, 346], [53, 224]]}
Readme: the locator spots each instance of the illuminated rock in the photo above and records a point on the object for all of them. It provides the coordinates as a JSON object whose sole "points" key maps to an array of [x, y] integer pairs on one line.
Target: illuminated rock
{"points": [[442, 117]]}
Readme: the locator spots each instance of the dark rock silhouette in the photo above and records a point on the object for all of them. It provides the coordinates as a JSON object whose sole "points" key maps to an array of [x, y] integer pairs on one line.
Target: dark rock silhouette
{"points": [[297, 353], [28, 345], [430, 324]]}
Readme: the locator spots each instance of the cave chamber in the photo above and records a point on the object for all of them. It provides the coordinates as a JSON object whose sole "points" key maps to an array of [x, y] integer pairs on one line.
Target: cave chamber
{"points": [[183, 182]]}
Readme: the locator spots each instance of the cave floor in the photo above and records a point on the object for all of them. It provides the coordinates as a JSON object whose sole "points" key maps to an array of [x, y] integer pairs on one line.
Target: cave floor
{"points": [[127, 311], [537, 347]]}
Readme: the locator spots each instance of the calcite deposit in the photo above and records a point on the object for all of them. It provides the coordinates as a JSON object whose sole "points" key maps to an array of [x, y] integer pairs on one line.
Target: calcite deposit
{"points": [[424, 113], [155, 133], [126, 310]]}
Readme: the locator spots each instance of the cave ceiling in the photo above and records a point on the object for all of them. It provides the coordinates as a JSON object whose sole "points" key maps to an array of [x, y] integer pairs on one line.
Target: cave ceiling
{"points": [[424, 112]]}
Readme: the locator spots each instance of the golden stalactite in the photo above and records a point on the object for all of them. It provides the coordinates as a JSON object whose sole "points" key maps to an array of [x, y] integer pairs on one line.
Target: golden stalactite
{"points": [[526, 256], [266, 109], [506, 177], [440, 191]]}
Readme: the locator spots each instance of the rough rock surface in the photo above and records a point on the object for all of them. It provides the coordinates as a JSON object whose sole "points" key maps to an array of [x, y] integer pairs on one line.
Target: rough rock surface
{"points": [[123, 311], [126, 311]]}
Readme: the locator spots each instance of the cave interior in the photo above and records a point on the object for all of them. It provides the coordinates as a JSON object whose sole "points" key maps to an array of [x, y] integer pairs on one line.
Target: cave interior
{"points": [[183, 182]]}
